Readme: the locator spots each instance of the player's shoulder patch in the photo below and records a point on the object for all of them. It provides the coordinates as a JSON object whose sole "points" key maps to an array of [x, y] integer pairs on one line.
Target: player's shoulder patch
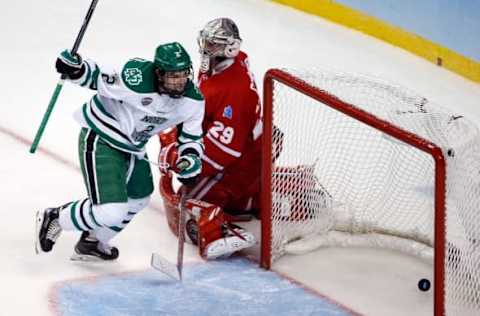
{"points": [[138, 75], [193, 92]]}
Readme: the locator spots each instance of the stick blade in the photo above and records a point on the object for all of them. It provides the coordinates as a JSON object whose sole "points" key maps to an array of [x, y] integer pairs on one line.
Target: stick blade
{"points": [[163, 265]]}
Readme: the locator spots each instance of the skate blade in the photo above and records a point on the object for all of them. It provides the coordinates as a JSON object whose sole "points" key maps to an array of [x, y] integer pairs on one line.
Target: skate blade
{"points": [[86, 258], [38, 225]]}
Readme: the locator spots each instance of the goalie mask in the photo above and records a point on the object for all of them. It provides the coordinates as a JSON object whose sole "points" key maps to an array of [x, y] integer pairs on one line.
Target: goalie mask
{"points": [[218, 40], [173, 69]]}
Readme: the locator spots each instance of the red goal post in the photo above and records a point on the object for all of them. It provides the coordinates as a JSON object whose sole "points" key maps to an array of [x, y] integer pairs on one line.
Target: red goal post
{"points": [[309, 85]]}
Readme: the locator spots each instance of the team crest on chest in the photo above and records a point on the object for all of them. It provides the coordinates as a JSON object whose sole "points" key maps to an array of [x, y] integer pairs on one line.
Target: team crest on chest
{"points": [[228, 112], [146, 101], [133, 76]]}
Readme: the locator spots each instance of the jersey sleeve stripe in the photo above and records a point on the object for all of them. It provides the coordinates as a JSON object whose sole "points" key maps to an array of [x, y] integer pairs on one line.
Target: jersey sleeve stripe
{"points": [[204, 190], [258, 129], [197, 146], [214, 164], [184, 137], [223, 147], [108, 125], [111, 137], [87, 77], [95, 73]]}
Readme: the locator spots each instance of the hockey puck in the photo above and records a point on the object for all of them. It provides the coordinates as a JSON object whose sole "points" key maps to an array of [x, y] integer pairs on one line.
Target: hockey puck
{"points": [[450, 152], [424, 285]]}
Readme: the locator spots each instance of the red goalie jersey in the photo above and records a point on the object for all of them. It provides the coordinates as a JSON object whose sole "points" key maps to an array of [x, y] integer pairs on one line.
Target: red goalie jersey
{"points": [[232, 114], [231, 163]]}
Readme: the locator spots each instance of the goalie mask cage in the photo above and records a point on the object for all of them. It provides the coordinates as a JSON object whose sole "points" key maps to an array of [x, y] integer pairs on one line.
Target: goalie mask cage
{"points": [[355, 161]]}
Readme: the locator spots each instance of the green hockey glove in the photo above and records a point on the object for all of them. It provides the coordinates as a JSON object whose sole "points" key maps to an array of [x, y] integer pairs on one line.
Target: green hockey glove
{"points": [[189, 167], [70, 65]]}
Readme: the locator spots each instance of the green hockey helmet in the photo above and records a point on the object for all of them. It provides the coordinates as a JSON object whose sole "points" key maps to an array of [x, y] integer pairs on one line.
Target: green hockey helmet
{"points": [[173, 68]]}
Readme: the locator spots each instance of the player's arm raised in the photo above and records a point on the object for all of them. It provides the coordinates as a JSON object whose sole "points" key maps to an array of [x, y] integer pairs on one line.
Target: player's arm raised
{"points": [[82, 72]]}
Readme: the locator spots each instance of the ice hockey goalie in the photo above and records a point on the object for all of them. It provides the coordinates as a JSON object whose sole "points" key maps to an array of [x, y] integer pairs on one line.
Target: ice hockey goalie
{"points": [[206, 224]]}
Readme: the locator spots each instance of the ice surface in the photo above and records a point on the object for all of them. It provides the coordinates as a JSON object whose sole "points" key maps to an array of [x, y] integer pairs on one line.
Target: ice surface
{"points": [[33, 32]]}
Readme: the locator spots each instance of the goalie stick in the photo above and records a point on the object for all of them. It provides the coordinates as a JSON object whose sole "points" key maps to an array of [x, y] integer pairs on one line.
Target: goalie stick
{"points": [[163, 265]]}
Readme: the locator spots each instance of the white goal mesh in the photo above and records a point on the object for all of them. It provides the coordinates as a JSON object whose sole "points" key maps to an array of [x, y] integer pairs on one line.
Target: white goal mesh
{"points": [[353, 166]]}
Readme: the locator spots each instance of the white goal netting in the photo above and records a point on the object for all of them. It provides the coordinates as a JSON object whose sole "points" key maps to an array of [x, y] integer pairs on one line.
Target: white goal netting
{"points": [[337, 181]]}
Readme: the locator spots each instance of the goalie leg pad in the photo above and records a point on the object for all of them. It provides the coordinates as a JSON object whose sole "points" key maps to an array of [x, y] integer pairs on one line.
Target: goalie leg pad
{"points": [[215, 237], [196, 211], [171, 201], [206, 227], [210, 219], [203, 223]]}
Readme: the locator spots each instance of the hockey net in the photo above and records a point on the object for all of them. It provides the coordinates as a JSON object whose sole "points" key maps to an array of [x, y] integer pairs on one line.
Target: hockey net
{"points": [[355, 161]]}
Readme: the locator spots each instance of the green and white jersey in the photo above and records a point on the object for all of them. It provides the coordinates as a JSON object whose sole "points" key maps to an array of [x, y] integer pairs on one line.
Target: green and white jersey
{"points": [[127, 110]]}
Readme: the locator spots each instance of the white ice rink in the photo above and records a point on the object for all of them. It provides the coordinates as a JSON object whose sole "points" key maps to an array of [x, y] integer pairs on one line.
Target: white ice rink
{"points": [[32, 33]]}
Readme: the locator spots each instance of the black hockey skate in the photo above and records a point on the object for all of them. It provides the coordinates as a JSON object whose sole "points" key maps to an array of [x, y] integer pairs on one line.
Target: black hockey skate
{"points": [[47, 229], [88, 248]]}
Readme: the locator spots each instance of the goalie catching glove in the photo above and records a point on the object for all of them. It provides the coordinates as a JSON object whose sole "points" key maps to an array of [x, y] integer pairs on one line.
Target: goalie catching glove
{"points": [[70, 65]]}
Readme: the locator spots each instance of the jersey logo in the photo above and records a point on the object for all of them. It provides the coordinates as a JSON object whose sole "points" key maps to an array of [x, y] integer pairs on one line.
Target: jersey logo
{"points": [[133, 76], [146, 101], [228, 112], [153, 119]]}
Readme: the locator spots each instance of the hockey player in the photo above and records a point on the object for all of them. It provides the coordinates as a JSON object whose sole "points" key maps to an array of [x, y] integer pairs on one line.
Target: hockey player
{"points": [[231, 164], [130, 106]]}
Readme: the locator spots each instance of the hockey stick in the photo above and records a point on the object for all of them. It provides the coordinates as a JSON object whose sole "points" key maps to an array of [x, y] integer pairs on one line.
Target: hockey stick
{"points": [[233, 231], [60, 82], [163, 265], [181, 230], [240, 216]]}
